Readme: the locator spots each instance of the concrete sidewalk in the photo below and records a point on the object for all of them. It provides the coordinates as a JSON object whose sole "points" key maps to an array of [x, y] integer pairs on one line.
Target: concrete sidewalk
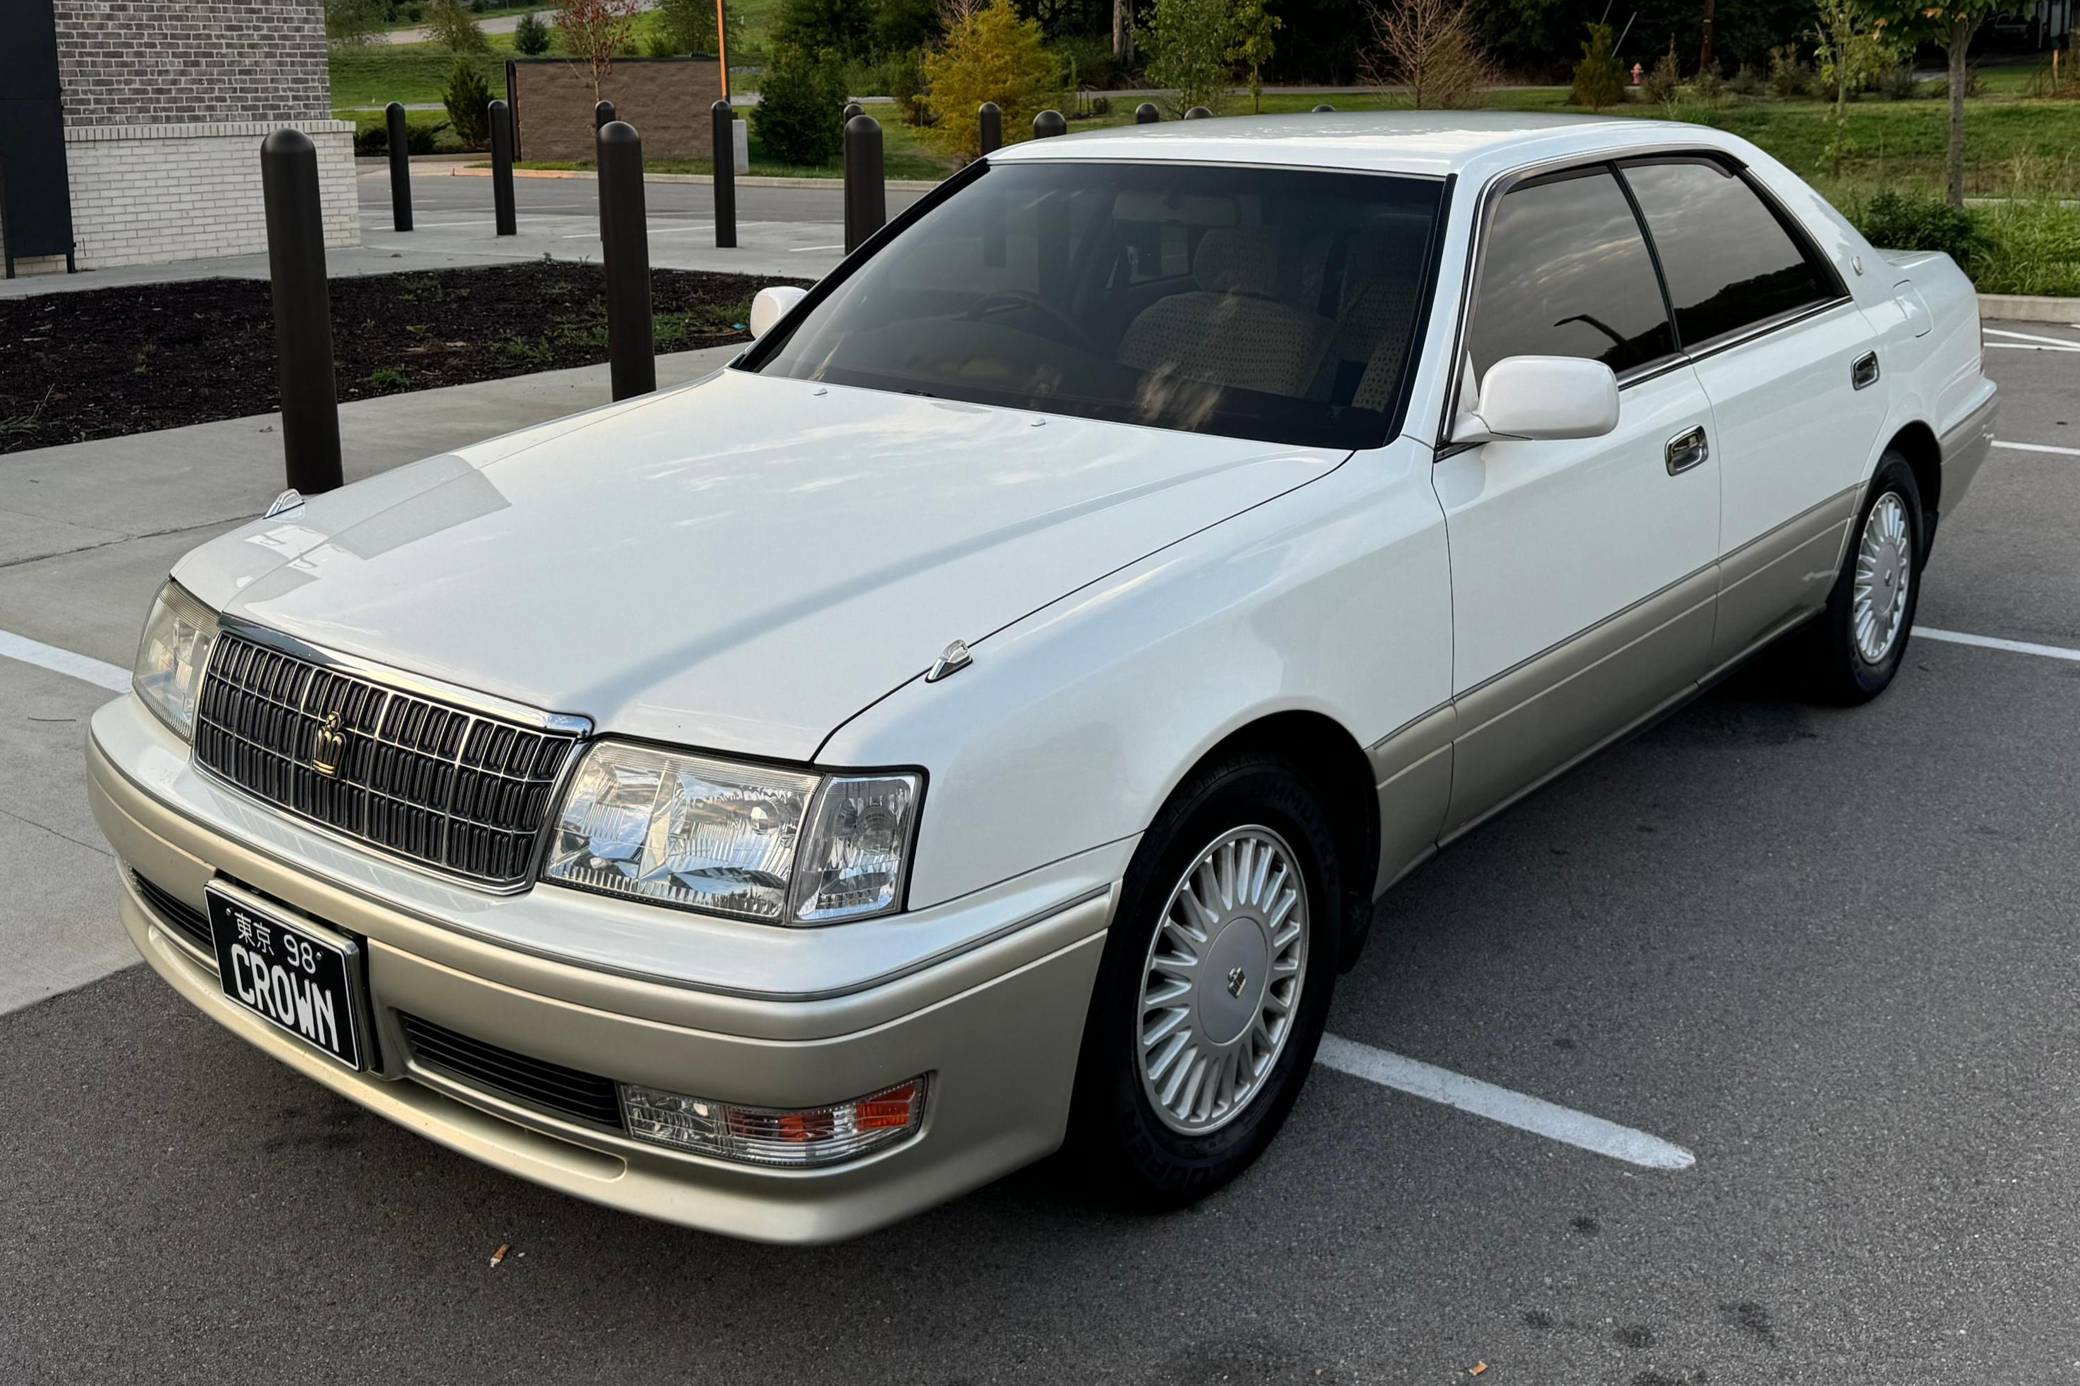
{"points": [[87, 533]]}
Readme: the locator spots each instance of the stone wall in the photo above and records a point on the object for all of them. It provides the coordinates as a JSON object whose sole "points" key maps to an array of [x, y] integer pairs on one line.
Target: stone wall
{"points": [[668, 100]]}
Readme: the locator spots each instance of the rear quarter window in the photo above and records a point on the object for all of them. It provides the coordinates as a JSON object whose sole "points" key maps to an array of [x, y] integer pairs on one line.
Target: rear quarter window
{"points": [[1729, 261]]}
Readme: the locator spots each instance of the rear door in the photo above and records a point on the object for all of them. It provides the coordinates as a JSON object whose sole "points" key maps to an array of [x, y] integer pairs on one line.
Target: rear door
{"points": [[1795, 385], [1582, 570]]}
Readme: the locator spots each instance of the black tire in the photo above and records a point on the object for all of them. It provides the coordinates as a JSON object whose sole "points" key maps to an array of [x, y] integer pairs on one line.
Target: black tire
{"points": [[1115, 1133], [1837, 669]]}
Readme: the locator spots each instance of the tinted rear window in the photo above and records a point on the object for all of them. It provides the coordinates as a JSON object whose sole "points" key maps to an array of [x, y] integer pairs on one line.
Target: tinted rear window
{"points": [[1566, 272], [1730, 263], [1250, 302]]}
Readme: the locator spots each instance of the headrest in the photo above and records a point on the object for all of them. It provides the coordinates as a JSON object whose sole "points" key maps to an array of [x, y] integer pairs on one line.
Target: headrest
{"points": [[1237, 260]]}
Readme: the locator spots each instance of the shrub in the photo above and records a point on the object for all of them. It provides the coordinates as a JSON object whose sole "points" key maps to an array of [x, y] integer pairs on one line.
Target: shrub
{"points": [[372, 141], [1898, 83], [1789, 76], [531, 36], [800, 100], [2032, 247], [1660, 85], [989, 55], [1188, 42], [1598, 79], [1086, 60], [1708, 86], [1914, 221], [1941, 85], [452, 26], [687, 26], [901, 76], [660, 45], [1746, 82], [467, 96], [1101, 105]]}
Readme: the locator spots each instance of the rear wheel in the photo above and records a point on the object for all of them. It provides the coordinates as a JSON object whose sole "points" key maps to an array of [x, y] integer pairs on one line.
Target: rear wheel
{"points": [[1214, 987], [1858, 643]]}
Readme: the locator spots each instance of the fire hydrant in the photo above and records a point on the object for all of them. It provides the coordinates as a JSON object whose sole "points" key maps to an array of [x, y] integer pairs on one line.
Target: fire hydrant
{"points": [[1635, 74]]}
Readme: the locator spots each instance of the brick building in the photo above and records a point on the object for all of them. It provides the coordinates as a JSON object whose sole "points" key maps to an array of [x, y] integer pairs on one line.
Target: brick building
{"points": [[163, 105]]}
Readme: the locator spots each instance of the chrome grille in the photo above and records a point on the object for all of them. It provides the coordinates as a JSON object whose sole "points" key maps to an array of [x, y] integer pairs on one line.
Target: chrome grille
{"points": [[441, 785]]}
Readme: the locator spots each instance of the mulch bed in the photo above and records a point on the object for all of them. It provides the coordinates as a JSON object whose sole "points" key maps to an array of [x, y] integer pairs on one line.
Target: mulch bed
{"points": [[97, 363]]}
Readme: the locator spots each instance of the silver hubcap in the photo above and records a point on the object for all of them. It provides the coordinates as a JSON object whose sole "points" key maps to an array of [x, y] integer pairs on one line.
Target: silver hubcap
{"points": [[1223, 980], [1884, 572]]}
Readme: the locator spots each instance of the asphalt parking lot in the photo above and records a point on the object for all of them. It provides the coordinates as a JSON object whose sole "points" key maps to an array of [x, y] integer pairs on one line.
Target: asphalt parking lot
{"points": [[1829, 955]]}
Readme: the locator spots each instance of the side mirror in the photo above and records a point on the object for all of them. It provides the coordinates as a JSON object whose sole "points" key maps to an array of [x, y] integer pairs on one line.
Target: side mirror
{"points": [[771, 305], [1541, 397]]}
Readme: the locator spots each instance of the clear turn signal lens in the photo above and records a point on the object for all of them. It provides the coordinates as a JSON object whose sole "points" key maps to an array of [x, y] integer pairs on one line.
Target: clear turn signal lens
{"points": [[797, 1137], [852, 860]]}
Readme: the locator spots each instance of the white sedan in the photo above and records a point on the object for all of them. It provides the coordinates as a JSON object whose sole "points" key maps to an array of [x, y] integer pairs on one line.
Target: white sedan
{"points": [[983, 715]]}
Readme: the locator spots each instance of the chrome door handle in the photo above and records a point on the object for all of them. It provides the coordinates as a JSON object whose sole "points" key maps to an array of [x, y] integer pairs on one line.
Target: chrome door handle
{"points": [[1863, 370], [1686, 450]]}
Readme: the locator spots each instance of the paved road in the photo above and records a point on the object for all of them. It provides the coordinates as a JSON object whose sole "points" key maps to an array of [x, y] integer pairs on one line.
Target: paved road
{"points": [[1829, 952]]}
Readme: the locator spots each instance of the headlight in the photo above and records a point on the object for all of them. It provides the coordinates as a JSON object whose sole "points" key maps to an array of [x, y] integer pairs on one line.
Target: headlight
{"points": [[754, 841], [171, 656]]}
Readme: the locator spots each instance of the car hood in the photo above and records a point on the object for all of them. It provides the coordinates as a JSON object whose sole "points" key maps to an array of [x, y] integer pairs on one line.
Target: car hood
{"points": [[739, 564]]}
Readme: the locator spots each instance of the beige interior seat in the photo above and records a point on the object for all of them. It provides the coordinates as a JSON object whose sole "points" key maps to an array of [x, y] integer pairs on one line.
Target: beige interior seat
{"points": [[1230, 330]]}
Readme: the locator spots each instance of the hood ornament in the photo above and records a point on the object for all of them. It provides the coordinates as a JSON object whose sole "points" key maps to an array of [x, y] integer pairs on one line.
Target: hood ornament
{"points": [[291, 499], [951, 660]]}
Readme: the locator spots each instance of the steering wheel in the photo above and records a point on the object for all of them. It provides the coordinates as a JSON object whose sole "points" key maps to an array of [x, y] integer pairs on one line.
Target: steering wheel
{"points": [[1004, 300]]}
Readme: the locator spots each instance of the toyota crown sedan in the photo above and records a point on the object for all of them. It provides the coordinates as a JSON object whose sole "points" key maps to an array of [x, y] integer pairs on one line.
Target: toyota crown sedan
{"points": [[980, 718]]}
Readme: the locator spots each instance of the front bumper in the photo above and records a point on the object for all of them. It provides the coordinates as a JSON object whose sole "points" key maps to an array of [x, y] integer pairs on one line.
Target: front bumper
{"points": [[996, 1025]]}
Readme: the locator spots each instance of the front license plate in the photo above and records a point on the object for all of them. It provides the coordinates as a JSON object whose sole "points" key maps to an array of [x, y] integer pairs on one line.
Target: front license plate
{"points": [[289, 975]]}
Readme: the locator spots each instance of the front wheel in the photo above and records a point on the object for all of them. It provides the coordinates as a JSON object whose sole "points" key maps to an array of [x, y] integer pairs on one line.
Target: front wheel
{"points": [[1858, 643], [1214, 987]]}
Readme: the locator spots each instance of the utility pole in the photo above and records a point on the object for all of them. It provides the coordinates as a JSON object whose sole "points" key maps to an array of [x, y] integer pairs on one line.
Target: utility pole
{"points": [[1704, 57]]}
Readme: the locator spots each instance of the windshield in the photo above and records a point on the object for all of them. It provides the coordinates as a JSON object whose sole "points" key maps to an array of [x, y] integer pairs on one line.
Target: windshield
{"points": [[1250, 302]]}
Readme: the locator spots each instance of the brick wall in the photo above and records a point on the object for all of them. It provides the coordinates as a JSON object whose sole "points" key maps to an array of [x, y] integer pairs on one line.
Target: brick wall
{"points": [[175, 62], [166, 102], [143, 194], [666, 99]]}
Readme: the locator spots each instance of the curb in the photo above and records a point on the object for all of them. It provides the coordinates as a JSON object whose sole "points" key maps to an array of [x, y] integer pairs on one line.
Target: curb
{"points": [[744, 180], [2030, 308]]}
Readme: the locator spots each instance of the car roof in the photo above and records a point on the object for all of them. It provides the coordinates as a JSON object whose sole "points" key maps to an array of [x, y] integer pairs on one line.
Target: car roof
{"points": [[1433, 143]]}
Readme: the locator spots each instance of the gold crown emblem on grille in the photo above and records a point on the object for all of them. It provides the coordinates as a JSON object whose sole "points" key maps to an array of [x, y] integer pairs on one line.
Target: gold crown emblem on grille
{"points": [[329, 746]]}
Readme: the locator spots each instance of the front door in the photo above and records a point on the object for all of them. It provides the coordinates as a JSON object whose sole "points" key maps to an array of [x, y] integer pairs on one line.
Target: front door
{"points": [[1583, 571]]}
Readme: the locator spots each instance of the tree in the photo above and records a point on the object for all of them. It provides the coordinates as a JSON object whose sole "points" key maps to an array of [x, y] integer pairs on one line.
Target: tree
{"points": [[990, 54], [1188, 44], [1599, 80], [1950, 25], [1254, 24], [594, 31], [1428, 47], [468, 99], [800, 113], [531, 36], [353, 21], [1852, 48], [688, 24], [844, 26], [454, 27]]}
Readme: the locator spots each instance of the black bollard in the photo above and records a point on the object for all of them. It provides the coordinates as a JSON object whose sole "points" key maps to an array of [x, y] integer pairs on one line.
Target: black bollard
{"points": [[1325, 106], [630, 358], [853, 108], [502, 168], [725, 175], [866, 193], [991, 118], [302, 310], [1147, 114], [1197, 113], [400, 168], [602, 114], [1049, 123]]}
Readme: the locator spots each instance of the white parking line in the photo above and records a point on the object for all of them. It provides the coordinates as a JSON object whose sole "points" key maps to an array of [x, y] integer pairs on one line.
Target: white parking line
{"points": [[1991, 642], [2027, 346], [803, 249], [79, 666], [1533, 1114], [2037, 447], [2028, 337]]}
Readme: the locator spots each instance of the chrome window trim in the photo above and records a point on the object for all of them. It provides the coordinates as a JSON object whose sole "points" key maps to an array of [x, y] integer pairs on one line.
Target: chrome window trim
{"points": [[1502, 182]]}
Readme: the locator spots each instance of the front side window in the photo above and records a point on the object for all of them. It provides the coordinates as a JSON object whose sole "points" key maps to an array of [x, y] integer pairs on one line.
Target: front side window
{"points": [[1251, 302], [1566, 272], [1730, 263]]}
